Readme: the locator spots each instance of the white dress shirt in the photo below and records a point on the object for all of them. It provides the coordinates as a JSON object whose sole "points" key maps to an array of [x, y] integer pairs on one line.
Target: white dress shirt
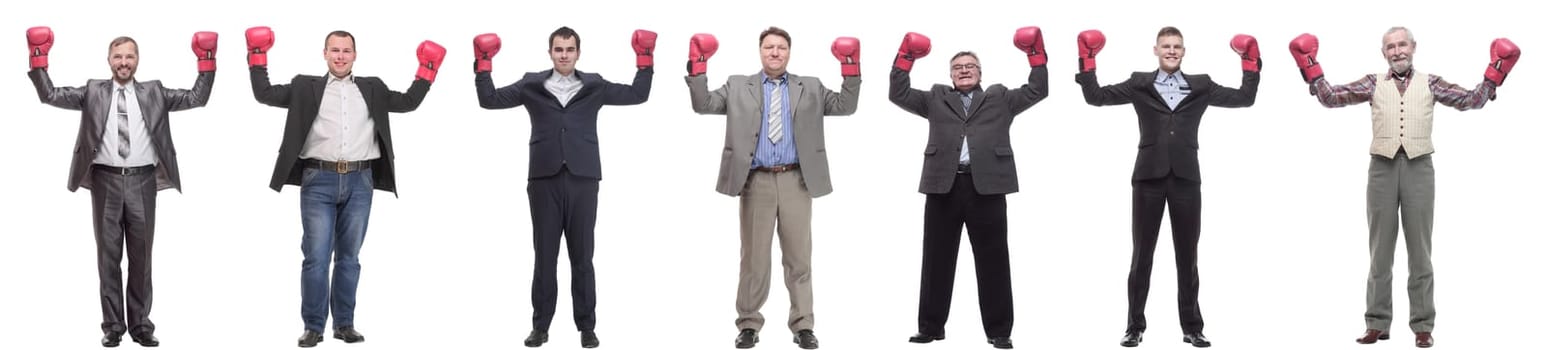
{"points": [[563, 87], [141, 151], [343, 130]]}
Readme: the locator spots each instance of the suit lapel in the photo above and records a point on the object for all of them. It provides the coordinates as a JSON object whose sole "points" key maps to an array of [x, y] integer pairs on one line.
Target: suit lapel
{"points": [[977, 102], [795, 87], [1193, 92], [365, 94], [955, 101], [152, 121], [99, 114], [1149, 86]]}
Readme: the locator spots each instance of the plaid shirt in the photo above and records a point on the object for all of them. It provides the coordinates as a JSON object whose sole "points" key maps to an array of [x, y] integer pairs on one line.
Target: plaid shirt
{"points": [[1361, 90]]}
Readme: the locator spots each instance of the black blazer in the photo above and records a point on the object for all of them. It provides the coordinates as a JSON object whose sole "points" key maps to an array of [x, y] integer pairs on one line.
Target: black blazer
{"points": [[986, 127], [1168, 140], [303, 96], [563, 135], [94, 99]]}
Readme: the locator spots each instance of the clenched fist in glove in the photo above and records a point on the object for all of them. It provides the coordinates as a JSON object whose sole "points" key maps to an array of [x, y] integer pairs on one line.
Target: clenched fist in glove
{"points": [[259, 40], [204, 47], [1029, 40], [430, 57], [644, 48], [39, 41], [1091, 42], [700, 48], [1246, 46], [484, 48], [1504, 54], [846, 49], [1304, 49], [914, 46]]}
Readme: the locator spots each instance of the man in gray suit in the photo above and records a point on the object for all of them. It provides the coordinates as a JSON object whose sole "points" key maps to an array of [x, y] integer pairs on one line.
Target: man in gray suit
{"points": [[124, 155], [969, 167], [775, 159]]}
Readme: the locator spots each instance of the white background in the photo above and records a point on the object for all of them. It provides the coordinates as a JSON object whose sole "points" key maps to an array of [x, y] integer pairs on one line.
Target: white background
{"points": [[448, 264]]}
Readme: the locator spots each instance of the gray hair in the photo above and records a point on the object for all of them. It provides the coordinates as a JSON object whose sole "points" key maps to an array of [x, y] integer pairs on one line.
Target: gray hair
{"points": [[1402, 29]]}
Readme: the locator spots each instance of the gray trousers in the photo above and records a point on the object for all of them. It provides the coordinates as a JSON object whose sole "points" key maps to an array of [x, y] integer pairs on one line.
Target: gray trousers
{"points": [[1406, 187], [770, 201]]}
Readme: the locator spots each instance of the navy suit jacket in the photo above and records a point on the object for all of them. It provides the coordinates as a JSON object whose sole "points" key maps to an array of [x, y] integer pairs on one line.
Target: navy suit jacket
{"points": [[563, 135]]}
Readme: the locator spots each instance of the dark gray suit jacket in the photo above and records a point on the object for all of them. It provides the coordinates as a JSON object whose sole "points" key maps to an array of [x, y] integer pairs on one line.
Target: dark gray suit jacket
{"points": [[1168, 139], [986, 126], [94, 99], [563, 135]]}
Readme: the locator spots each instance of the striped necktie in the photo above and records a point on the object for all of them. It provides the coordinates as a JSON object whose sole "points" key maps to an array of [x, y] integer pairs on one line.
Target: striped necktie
{"points": [[776, 113], [123, 124]]}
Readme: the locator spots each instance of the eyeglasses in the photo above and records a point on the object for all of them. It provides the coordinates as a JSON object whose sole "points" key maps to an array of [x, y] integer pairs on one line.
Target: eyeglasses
{"points": [[972, 66]]}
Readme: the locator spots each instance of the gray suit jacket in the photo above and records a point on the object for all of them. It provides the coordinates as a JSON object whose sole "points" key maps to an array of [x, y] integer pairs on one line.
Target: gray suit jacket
{"points": [[741, 101], [986, 126], [96, 97]]}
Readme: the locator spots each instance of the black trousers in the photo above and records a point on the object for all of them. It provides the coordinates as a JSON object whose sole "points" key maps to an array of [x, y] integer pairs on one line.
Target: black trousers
{"points": [[1150, 199], [123, 210], [984, 216], [563, 206]]}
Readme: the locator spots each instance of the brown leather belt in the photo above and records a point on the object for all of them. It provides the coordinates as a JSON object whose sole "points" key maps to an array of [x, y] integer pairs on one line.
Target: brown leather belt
{"points": [[778, 168], [126, 171], [338, 167]]}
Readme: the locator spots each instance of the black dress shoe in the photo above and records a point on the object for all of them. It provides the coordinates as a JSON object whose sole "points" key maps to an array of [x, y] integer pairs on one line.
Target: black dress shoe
{"points": [[922, 338], [145, 339], [348, 334], [1001, 342], [746, 339], [111, 340], [806, 339], [536, 339], [1196, 339], [1132, 339], [309, 339], [588, 340]]}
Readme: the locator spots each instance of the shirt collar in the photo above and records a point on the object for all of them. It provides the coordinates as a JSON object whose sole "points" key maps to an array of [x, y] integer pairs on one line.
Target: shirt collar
{"points": [[556, 77], [1162, 76], [782, 78], [126, 87], [1392, 74], [347, 78]]}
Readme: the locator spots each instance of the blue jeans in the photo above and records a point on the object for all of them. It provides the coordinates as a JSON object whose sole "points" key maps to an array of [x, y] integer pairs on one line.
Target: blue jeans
{"points": [[334, 211]]}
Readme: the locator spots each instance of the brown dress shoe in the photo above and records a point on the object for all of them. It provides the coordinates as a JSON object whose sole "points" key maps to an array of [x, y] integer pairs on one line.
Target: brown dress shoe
{"points": [[1372, 335], [1425, 340]]}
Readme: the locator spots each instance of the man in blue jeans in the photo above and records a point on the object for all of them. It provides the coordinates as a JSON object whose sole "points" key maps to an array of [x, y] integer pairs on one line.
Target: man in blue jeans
{"points": [[338, 148]]}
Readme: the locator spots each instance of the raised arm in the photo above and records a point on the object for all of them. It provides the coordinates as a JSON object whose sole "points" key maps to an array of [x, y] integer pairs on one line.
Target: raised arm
{"points": [[259, 40], [914, 46], [204, 45], [846, 101], [639, 91], [700, 48], [1090, 44], [485, 46], [1251, 68], [39, 41], [1029, 40]]}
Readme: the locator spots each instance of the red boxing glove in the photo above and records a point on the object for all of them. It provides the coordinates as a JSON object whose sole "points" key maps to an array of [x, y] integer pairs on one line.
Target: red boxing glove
{"points": [[1246, 46], [1304, 49], [39, 41], [1091, 42], [484, 48], [204, 47], [700, 48], [1029, 40], [1504, 53], [914, 46], [644, 48], [430, 56], [259, 40], [846, 49]]}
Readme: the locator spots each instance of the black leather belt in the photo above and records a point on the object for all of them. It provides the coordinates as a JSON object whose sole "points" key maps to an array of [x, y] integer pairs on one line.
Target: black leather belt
{"points": [[963, 168], [126, 171], [338, 167], [778, 168]]}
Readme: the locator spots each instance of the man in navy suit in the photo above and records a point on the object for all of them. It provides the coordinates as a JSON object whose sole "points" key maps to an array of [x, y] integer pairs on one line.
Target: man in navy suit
{"points": [[565, 164], [1169, 105]]}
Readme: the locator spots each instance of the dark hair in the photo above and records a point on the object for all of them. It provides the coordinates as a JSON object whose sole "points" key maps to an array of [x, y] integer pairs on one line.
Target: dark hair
{"points": [[566, 33], [341, 34], [1169, 31], [773, 31], [123, 40], [966, 53]]}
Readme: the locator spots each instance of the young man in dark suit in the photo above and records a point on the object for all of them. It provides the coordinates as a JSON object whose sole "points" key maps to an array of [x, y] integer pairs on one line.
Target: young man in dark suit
{"points": [[1170, 105]]}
